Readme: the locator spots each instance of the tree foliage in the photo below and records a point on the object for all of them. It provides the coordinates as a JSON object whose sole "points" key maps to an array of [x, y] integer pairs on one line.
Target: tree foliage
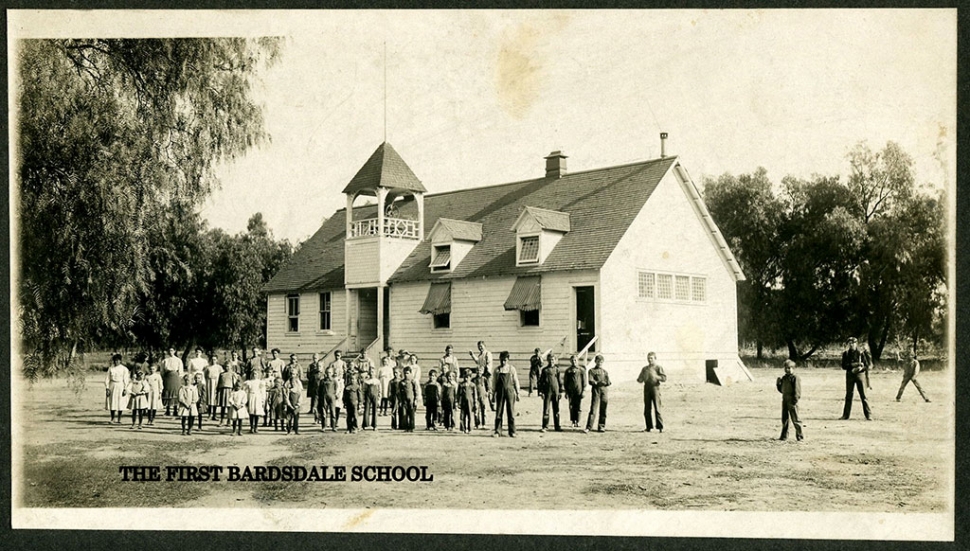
{"points": [[117, 138], [826, 259]]}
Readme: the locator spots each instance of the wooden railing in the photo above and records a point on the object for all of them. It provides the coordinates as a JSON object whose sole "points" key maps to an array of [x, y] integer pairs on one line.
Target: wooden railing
{"points": [[393, 227], [332, 350], [584, 353]]}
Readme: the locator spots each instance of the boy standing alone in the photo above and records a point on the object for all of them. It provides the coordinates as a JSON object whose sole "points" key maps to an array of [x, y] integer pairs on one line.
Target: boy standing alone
{"points": [[651, 376], [790, 388]]}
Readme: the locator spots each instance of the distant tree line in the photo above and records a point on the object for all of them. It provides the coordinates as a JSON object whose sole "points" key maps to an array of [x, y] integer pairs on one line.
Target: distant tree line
{"points": [[118, 145], [827, 258]]}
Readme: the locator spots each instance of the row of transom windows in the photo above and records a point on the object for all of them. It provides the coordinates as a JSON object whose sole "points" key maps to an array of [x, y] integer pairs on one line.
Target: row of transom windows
{"points": [[671, 286]]}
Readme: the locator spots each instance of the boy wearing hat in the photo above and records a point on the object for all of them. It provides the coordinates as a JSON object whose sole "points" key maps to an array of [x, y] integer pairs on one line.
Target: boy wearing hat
{"points": [[599, 380], [790, 387], [550, 388]]}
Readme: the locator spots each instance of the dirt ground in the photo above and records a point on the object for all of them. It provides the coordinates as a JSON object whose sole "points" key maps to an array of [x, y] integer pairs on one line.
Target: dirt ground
{"points": [[719, 451]]}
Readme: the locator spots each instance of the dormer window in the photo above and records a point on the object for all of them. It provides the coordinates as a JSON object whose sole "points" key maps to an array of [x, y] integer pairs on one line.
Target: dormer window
{"points": [[451, 240], [529, 249], [537, 232], [441, 258]]}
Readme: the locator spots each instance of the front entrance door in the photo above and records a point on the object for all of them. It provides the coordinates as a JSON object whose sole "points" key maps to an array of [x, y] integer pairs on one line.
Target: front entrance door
{"points": [[585, 318], [366, 316]]}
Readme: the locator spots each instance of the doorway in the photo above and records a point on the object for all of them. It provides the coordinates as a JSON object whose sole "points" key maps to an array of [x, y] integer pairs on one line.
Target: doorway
{"points": [[366, 316], [585, 317]]}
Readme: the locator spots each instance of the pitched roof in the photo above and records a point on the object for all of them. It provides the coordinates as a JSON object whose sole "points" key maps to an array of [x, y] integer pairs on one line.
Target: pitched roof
{"points": [[385, 168], [601, 205], [459, 230], [547, 219]]}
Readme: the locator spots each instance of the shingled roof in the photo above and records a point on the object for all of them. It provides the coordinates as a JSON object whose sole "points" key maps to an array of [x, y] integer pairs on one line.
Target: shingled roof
{"points": [[547, 219], [459, 230], [601, 205], [385, 168]]}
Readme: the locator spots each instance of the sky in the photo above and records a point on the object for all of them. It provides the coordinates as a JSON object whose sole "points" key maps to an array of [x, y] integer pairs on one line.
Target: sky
{"points": [[478, 98]]}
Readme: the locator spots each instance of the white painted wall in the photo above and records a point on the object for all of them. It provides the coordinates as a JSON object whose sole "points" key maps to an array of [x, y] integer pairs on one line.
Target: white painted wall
{"points": [[309, 339], [477, 313], [393, 252], [667, 236]]}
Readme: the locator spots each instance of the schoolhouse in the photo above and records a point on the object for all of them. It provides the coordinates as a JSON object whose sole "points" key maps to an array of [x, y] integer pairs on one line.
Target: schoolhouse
{"points": [[620, 260]]}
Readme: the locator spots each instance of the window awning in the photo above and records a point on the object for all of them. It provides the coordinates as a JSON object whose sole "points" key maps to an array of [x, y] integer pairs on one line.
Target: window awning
{"points": [[526, 294], [438, 300]]}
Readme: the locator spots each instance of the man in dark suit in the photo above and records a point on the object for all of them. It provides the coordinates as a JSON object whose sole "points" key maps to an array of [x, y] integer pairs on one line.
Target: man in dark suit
{"points": [[855, 373], [550, 388]]}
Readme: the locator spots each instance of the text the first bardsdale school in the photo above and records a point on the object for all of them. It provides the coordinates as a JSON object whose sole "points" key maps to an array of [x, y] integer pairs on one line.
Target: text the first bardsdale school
{"points": [[617, 260]]}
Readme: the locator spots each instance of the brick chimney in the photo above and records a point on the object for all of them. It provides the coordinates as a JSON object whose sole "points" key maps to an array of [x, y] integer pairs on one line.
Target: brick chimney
{"points": [[663, 145], [555, 165]]}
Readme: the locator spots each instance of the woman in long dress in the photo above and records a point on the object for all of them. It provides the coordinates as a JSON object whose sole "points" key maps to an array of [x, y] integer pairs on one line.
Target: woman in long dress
{"points": [[212, 372], [256, 399], [172, 370], [116, 388]]}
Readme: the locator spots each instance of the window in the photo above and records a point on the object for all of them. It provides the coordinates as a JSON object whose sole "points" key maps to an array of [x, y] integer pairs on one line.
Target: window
{"points": [[683, 287], [646, 284], [438, 304], [529, 318], [442, 321], [325, 318], [293, 313], [665, 287], [441, 258], [698, 289], [679, 287], [529, 249]]}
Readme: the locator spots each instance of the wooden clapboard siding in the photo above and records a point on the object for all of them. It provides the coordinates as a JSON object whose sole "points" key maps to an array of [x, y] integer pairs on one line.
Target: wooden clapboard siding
{"points": [[309, 339], [667, 236], [477, 313], [363, 261]]}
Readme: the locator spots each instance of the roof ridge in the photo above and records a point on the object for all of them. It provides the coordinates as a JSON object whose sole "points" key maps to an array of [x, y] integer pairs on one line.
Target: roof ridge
{"points": [[567, 175]]}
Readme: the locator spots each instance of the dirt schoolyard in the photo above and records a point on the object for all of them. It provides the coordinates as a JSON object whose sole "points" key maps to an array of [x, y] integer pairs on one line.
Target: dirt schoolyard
{"points": [[719, 451]]}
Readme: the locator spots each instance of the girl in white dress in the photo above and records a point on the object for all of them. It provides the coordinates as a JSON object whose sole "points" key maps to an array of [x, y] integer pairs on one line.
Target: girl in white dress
{"points": [[137, 399], [256, 404], [237, 409], [154, 382], [188, 403]]}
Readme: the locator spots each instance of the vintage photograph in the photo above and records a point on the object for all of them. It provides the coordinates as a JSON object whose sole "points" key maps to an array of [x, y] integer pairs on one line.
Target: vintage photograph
{"points": [[571, 272]]}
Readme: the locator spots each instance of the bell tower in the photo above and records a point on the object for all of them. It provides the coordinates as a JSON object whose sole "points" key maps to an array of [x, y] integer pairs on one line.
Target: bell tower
{"points": [[379, 237]]}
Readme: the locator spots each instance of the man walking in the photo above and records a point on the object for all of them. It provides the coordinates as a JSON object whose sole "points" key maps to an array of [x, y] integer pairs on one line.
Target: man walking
{"points": [[910, 372]]}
